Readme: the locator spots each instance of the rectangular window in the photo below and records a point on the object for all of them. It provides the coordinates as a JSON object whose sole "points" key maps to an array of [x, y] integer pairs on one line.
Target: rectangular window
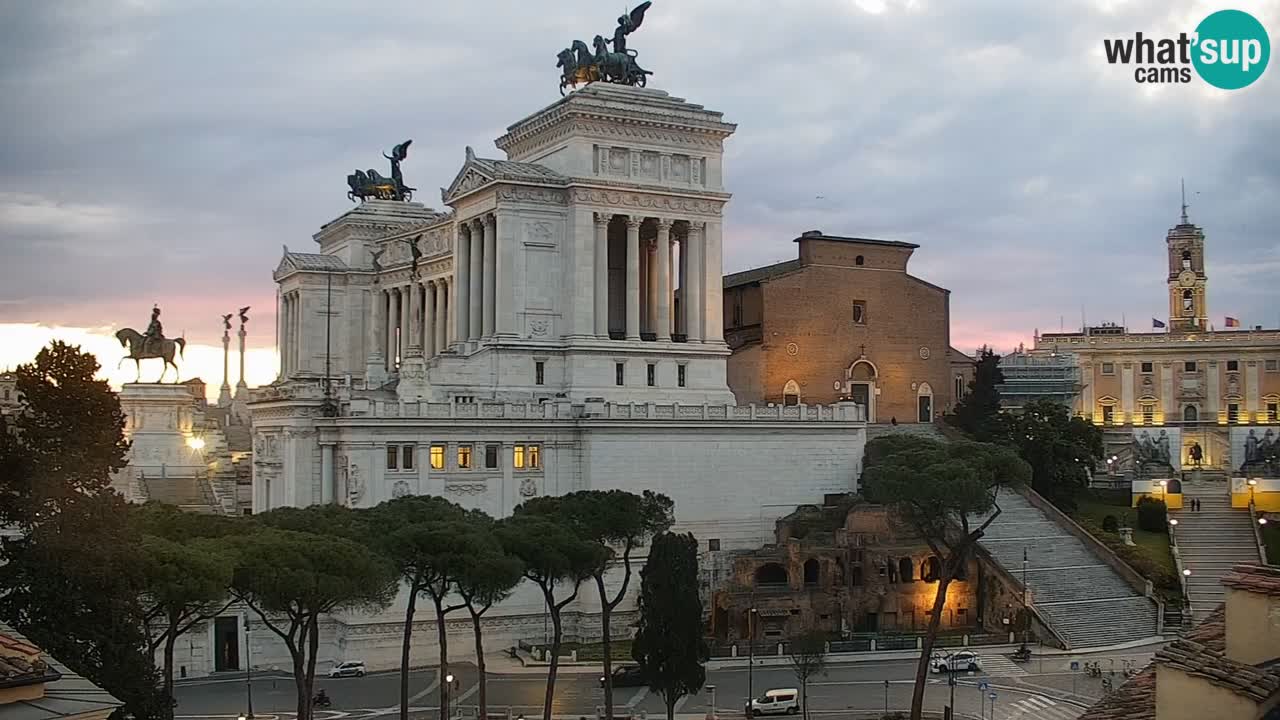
{"points": [[1189, 366], [651, 376], [491, 456], [1273, 412], [6, 390], [618, 373], [393, 457], [1233, 366], [535, 457], [406, 456], [539, 373], [713, 544], [680, 371], [1233, 413], [464, 457], [859, 312], [1108, 368], [1148, 367], [517, 457], [437, 457], [1271, 365]]}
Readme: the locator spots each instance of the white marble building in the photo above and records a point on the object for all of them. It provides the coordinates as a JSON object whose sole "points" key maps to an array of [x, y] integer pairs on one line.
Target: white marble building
{"points": [[560, 329]]}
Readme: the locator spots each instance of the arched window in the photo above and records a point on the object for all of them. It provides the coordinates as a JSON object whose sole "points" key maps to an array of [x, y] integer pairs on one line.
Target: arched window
{"points": [[811, 571], [771, 574], [930, 569], [1186, 259], [1188, 303], [791, 393], [1190, 413], [905, 570], [858, 261]]}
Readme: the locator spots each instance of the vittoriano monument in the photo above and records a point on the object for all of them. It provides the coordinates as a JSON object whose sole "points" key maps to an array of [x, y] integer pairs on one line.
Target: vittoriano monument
{"points": [[579, 64], [372, 184], [151, 344]]}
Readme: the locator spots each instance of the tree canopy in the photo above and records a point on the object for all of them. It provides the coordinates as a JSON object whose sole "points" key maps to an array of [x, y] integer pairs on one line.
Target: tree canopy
{"points": [[669, 644], [977, 414]]}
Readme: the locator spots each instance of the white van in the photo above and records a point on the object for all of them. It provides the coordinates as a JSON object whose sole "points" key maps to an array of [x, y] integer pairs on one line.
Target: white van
{"points": [[776, 702]]}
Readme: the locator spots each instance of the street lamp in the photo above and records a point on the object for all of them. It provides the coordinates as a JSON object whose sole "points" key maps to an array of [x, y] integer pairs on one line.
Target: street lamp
{"points": [[1262, 521], [1173, 522], [1186, 572], [751, 658], [248, 670], [1253, 483], [448, 685], [1163, 484]]}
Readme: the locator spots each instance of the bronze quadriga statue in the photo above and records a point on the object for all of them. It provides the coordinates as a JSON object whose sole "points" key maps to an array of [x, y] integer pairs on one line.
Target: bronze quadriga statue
{"points": [[370, 183]]}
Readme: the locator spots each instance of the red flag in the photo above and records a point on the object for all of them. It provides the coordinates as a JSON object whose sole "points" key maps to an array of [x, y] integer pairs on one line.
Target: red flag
{"points": [[1233, 322]]}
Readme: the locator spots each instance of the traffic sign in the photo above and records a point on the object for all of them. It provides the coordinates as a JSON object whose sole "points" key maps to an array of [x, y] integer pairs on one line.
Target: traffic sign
{"points": [[983, 685], [992, 695], [1075, 666]]}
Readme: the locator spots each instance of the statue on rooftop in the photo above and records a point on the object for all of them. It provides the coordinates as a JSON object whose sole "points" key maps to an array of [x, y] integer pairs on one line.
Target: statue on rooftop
{"points": [[580, 65], [372, 184]]}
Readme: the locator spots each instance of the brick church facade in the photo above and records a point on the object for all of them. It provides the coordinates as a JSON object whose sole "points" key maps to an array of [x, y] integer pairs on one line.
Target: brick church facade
{"points": [[844, 320]]}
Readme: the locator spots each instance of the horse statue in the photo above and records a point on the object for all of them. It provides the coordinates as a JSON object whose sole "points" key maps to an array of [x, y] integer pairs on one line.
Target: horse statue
{"points": [[133, 339], [578, 66], [373, 184], [618, 67]]}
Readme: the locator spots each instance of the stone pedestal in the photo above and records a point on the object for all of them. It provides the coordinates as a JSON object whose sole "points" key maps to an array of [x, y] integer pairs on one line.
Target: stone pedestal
{"points": [[164, 443]]}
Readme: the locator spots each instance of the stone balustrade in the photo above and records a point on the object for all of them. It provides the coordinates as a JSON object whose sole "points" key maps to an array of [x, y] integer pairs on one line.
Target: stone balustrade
{"points": [[600, 410]]}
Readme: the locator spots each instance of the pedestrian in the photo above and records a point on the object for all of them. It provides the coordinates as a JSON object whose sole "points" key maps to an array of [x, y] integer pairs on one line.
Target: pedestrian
{"points": [[893, 420]]}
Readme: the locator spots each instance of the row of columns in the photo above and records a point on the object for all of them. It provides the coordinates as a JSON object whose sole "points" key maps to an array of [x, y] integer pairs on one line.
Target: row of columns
{"points": [[290, 329], [482, 268], [652, 276], [410, 320]]}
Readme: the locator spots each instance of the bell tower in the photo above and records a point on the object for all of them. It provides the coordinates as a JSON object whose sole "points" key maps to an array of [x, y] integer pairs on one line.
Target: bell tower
{"points": [[1188, 306]]}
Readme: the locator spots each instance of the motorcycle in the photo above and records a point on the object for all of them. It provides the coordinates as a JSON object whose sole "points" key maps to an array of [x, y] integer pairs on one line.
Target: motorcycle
{"points": [[321, 700], [1022, 654]]}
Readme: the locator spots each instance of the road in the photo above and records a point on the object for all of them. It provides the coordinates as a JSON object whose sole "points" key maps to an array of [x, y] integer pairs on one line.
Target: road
{"points": [[1035, 691]]}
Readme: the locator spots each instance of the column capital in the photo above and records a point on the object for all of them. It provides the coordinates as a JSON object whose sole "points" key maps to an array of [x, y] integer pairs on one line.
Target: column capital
{"points": [[603, 218], [664, 224], [477, 224], [696, 226], [634, 221], [490, 220]]}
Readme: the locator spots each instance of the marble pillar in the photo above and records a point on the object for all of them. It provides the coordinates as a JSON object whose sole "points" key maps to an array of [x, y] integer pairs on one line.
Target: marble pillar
{"points": [[633, 278], [601, 281], [694, 274], [490, 275], [429, 320], [327, 490], [662, 300], [413, 328], [405, 321], [462, 282], [475, 298], [444, 335], [390, 337]]}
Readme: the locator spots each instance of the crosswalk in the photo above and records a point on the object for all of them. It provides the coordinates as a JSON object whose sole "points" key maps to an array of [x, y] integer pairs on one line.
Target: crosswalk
{"points": [[1001, 666], [1038, 707]]}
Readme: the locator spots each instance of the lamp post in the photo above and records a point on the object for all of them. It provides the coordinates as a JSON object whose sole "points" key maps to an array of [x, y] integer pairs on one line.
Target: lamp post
{"points": [[1253, 483], [448, 687], [248, 669], [1163, 485], [751, 658]]}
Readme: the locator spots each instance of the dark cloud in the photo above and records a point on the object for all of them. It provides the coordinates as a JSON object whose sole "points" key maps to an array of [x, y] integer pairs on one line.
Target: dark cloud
{"points": [[167, 148]]}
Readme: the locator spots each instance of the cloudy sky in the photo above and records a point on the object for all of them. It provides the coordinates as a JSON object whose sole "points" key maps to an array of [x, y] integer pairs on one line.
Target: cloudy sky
{"points": [[164, 150]]}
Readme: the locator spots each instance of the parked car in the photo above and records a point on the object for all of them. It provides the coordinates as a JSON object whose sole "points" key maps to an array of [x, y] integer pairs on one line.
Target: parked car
{"points": [[626, 676], [348, 668], [962, 661], [783, 701]]}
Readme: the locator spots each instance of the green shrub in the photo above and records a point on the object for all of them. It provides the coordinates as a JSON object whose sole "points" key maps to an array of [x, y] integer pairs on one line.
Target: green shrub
{"points": [[1111, 524], [1153, 516]]}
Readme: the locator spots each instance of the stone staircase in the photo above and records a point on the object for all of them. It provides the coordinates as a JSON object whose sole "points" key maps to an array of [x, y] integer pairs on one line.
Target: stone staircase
{"points": [[1086, 602], [1212, 540], [190, 494]]}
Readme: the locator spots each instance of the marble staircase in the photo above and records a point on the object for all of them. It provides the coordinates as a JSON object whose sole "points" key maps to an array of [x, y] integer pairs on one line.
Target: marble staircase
{"points": [[1212, 540], [1083, 599]]}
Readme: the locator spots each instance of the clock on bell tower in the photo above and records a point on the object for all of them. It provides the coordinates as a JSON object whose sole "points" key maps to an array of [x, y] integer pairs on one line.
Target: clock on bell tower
{"points": [[1188, 309]]}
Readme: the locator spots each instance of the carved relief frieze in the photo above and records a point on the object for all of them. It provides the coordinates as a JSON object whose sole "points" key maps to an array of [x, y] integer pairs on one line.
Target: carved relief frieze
{"points": [[400, 489], [622, 198], [539, 327], [537, 195], [528, 488], [466, 488]]}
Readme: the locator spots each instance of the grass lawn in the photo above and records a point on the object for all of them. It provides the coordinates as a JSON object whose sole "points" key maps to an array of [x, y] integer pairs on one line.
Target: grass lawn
{"points": [[1151, 556], [1095, 509]]}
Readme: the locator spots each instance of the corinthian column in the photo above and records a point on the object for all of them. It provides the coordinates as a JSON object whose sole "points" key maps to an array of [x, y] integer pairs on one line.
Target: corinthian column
{"points": [[412, 332], [428, 319], [663, 253], [693, 297], [633, 278], [405, 322], [443, 336], [462, 275], [390, 337], [601, 288], [475, 299], [490, 275]]}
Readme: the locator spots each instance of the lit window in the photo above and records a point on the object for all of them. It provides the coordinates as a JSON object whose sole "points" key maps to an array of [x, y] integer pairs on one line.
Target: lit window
{"points": [[859, 312], [652, 373], [517, 457], [539, 373], [464, 457], [535, 457], [491, 456], [619, 370], [680, 375], [1148, 367], [393, 457], [1108, 368], [1233, 366], [437, 457], [406, 454]]}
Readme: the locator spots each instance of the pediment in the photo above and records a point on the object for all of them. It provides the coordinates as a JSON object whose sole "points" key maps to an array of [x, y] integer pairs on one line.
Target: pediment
{"points": [[470, 177]]}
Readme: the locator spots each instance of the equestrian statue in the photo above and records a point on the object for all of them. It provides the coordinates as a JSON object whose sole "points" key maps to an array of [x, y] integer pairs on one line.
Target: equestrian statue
{"points": [[578, 64], [372, 184], [151, 344]]}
